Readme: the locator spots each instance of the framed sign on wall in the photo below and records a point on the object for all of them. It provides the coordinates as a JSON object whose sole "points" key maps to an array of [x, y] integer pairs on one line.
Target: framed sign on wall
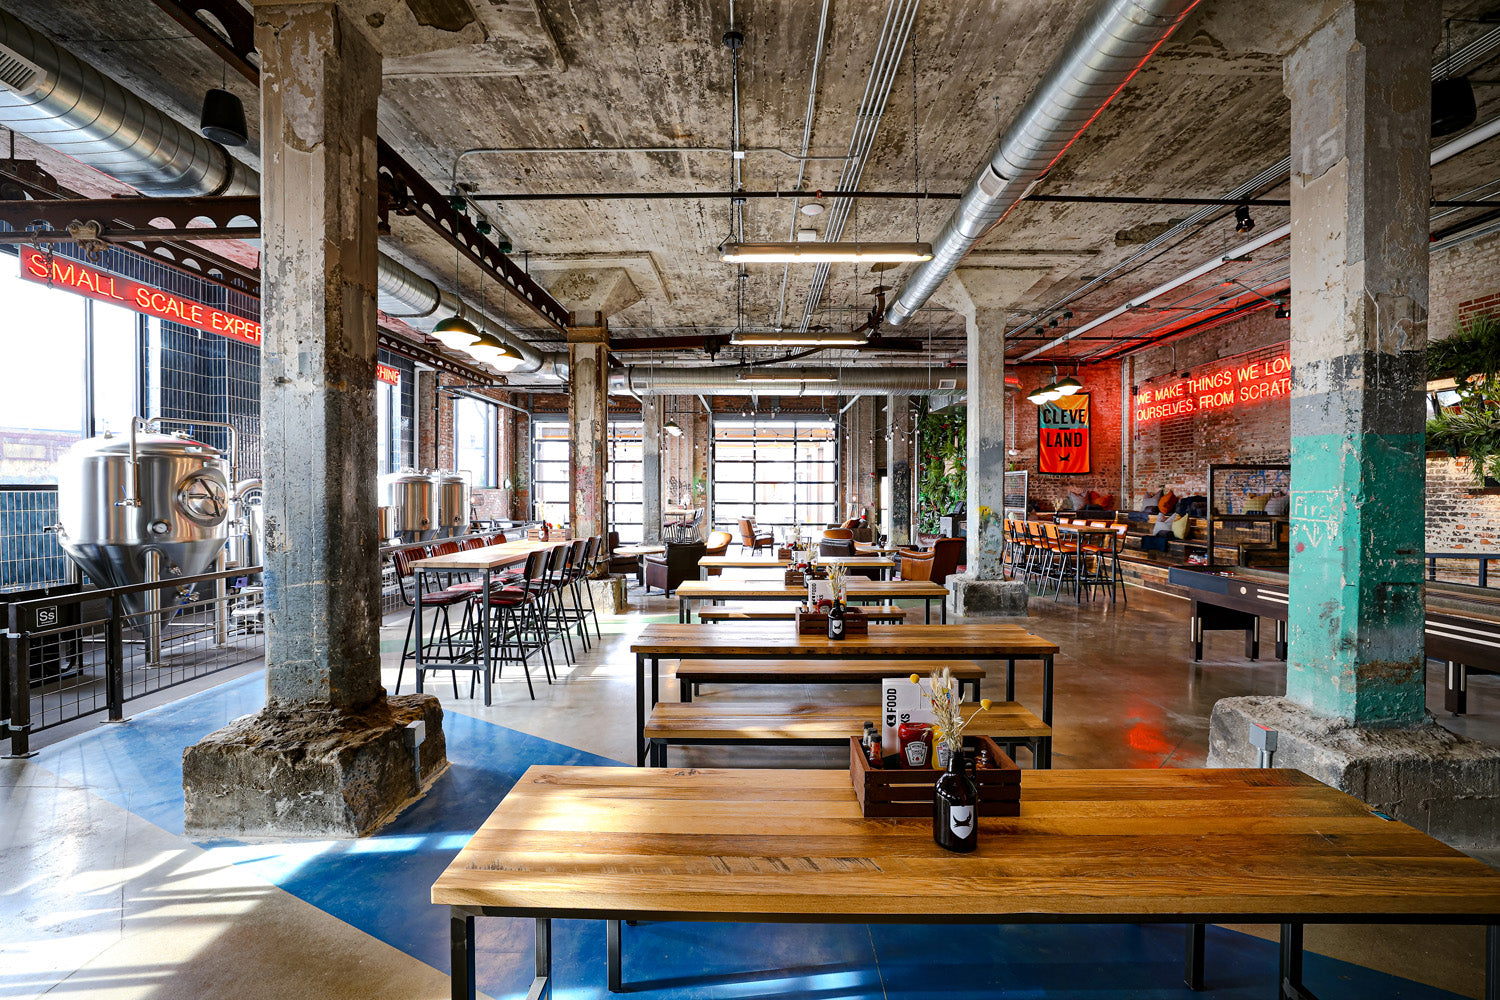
{"points": [[1062, 436]]}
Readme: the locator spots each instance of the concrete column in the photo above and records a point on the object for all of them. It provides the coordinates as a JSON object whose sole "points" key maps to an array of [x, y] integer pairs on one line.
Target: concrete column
{"points": [[862, 444], [898, 466], [327, 756], [1353, 715], [983, 589], [651, 468], [1360, 185], [588, 428]]}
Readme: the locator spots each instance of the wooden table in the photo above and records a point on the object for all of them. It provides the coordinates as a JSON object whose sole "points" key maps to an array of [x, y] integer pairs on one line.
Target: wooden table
{"points": [[1079, 533], [992, 643], [885, 566], [1172, 846], [732, 590], [639, 552], [486, 561], [881, 591], [739, 562]]}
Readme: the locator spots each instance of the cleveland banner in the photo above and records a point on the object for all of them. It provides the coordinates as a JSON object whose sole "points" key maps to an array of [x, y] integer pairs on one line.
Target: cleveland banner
{"points": [[1062, 436]]}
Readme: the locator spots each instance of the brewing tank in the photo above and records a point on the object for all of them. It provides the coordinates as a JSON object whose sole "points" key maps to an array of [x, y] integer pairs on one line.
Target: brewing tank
{"points": [[409, 495], [173, 506], [450, 503], [248, 524]]}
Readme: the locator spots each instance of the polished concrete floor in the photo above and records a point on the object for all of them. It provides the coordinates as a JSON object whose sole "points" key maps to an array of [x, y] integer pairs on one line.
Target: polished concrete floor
{"points": [[102, 896]]}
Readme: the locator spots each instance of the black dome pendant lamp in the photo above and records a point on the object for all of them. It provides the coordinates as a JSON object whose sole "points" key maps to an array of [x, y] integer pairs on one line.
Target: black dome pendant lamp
{"points": [[223, 118], [1452, 97]]}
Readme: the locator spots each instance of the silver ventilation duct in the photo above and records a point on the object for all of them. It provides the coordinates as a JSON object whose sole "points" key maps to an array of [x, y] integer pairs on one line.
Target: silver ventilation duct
{"points": [[52, 97], [821, 381], [1100, 57]]}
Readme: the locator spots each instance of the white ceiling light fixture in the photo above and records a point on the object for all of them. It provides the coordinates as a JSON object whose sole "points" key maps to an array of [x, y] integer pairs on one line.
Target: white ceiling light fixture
{"points": [[824, 253], [795, 338], [812, 208]]}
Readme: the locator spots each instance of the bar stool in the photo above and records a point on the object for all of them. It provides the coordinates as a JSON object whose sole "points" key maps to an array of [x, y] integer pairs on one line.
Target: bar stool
{"points": [[520, 630], [402, 559], [584, 562], [555, 616], [441, 635]]}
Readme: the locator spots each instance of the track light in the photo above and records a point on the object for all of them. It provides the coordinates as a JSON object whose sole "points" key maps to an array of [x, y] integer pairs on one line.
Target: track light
{"points": [[1242, 221], [1282, 312]]}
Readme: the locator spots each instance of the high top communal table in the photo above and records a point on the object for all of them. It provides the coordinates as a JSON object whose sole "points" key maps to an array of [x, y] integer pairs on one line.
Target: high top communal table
{"points": [[485, 560], [993, 643], [1170, 846]]}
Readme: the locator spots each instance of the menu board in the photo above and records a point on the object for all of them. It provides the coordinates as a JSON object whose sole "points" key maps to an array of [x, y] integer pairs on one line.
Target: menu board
{"points": [[1062, 436]]}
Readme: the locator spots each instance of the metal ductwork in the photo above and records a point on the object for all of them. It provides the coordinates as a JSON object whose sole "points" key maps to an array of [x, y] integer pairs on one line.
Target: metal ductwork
{"points": [[52, 97], [1098, 60], [789, 381]]}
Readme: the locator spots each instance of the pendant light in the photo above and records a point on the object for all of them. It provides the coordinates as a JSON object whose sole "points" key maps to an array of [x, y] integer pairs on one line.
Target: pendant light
{"points": [[455, 332]]}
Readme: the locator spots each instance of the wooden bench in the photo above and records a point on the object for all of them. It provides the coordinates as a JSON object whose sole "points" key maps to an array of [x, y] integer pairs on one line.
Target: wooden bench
{"points": [[799, 724], [880, 613], [691, 673]]}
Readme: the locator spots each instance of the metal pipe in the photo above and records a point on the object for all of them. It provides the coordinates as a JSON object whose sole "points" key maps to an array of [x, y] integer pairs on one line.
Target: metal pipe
{"points": [[153, 606], [1106, 50], [825, 381], [807, 122], [234, 438]]}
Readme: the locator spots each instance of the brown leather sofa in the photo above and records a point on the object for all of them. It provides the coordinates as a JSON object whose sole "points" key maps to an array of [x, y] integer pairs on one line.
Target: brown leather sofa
{"points": [[678, 563], [936, 564]]}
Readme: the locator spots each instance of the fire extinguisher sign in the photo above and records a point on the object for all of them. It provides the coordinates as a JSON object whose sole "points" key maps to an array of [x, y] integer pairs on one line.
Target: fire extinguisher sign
{"points": [[1062, 427]]}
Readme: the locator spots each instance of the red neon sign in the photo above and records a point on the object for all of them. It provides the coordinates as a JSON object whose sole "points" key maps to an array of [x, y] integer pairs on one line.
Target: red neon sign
{"points": [[1251, 382], [387, 374], [101, 285]]}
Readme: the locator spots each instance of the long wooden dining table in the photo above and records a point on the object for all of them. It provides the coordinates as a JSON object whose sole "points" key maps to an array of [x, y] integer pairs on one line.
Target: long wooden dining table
{"points": [[485, 560], [982, 642]]}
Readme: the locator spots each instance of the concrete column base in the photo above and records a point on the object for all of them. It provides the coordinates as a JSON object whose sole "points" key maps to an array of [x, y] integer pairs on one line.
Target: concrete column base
{"points": [[970, 597], [313, 774], [609, 594], [1435, 780]]}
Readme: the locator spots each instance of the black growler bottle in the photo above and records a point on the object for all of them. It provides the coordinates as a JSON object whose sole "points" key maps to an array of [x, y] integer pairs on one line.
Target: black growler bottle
{"points": [[955, 806], [836, 620]]}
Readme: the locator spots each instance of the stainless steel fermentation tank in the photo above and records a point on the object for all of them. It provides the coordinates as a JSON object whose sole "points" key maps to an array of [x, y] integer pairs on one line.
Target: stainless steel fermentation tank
{"points": [[450, 503], [247, 525], [141, 508], [408, 497]]}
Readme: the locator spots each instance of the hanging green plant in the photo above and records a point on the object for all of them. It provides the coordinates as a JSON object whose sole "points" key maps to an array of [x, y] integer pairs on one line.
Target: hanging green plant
{"points": [[1470, 430], [942, 473]]}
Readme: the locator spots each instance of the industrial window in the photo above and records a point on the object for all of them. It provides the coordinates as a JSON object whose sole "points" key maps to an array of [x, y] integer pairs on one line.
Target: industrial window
{"points": [[475, 425], [625, 481], [387, 415], [550, 448], [783, 473]]}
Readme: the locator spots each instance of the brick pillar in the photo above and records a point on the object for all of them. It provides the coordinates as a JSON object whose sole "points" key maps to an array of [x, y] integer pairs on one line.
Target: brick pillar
{"points": [[1360, 187], [651, 469], [327, 757], [898, 466], [588, 428]]}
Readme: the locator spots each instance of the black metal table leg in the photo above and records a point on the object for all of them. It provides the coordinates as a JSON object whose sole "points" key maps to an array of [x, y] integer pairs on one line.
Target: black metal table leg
{"points": [[461, 943], [612, 957], [640, 710], [1492, 962], [1290, 986], [1010, 679], [1047, 689], [1192, 965], [541, 986]]}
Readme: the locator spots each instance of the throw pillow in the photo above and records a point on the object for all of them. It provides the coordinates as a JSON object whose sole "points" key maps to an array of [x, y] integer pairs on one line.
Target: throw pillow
{"points": [[1163, 525], [1277, 504], [1104, 501], [1181, 525], [1151, 503], [1168, 502], [1077, 501]]}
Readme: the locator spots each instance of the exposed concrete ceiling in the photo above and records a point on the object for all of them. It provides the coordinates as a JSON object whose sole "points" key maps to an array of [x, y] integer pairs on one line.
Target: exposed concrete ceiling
{"points": [[1206, 114]]}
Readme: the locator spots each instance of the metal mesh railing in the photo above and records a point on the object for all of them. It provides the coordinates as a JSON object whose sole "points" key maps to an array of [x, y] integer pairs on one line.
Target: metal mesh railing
{"points": [[73, 655]]}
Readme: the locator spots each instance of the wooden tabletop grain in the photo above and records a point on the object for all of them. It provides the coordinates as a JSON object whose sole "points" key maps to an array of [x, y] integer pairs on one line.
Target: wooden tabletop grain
{"points": [[742, 562], [966, 640], [1176, 845], [855, 589], [772, 720], [721, 589], [489, 557]]}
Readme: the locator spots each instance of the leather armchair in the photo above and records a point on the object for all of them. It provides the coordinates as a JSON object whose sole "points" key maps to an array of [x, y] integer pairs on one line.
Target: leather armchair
{"points": [[718, 545], [678, 563], [621, 564], [936, 564], [752, 537]]}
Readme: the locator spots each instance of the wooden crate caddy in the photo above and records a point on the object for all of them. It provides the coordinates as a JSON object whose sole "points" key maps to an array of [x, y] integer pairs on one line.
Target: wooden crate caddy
{"points": [[902, 791], [856, 622]]}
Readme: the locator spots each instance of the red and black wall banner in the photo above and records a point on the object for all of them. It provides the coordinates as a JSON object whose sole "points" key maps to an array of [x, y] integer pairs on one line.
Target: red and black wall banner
{"points": [[1062, 435]]}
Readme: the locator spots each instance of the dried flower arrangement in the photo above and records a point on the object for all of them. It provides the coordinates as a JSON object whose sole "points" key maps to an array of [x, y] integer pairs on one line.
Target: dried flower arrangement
{"points": [[836, 574], [947, 711]]}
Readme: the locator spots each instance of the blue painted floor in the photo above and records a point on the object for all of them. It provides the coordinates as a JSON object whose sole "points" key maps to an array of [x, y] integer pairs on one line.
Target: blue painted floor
{"points": [[380, 884]]}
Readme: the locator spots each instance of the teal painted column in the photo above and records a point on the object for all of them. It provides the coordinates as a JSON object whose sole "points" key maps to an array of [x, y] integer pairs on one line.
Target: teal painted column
{"points": [[1360, 186]]}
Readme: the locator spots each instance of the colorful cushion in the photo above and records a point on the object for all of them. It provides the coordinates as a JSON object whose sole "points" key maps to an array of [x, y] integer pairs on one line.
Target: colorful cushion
{"points": [[1277, 504], [1076, 500], [1163, 525], [1168, 502], [1151, 503], [1104, 500], [1255, 503], [1180, 526]]}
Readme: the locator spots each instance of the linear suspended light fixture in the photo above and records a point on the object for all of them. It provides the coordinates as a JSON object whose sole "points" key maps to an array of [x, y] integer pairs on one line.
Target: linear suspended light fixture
{"points": [[796, 338], [824, 253]]}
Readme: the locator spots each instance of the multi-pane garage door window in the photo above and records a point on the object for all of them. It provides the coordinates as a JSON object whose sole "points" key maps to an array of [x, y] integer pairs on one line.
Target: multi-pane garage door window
{"points": [[781, 472], [623, 485], [549, 470]]}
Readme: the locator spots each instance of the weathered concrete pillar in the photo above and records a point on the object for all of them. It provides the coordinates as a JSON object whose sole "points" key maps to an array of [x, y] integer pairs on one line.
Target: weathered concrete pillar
{"points": [[588, 428], [1354, 714], [327, 755], [898, 464], [982, 588], [651, 469]]}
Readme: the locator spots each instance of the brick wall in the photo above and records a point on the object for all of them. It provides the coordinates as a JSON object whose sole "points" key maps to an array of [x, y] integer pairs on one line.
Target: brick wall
{"points": [[1102, 382], [1463, 280], [1459, 520], [1175, 450]]}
